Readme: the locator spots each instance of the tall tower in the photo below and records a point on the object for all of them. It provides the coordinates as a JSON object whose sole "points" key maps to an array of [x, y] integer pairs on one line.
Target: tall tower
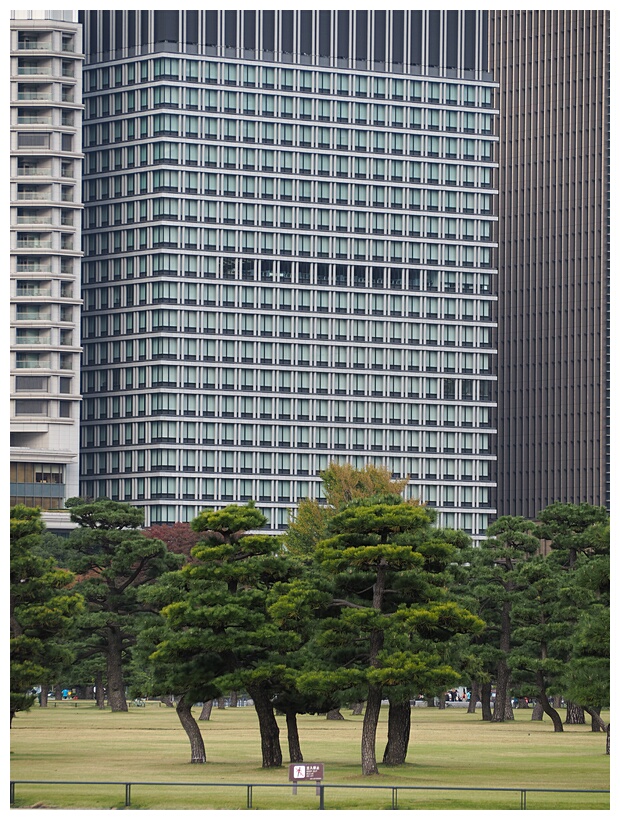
{"points": [[553, 70], [289, 257], [46, 172]]}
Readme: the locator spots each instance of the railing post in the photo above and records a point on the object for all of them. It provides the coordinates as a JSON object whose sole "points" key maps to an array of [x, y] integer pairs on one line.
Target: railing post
{"points": [[523, 800], [321, 796], [394, 798], [12, 791], [249, 797], [127, 794]]}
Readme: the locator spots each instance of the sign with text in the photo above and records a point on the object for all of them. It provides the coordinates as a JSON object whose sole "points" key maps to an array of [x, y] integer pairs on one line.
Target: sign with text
{"points": [[305, 771]]}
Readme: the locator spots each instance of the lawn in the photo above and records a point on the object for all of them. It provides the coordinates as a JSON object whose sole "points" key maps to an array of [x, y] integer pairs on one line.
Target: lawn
{"points": [[448, 748]]}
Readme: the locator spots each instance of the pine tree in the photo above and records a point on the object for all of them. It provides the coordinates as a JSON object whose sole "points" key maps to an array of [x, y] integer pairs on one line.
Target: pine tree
{"points": [[386, 614], [42, 608], [113, 559], [217, 634]]}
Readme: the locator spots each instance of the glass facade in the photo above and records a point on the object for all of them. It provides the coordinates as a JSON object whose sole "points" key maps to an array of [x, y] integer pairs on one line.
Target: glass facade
{"points": [[289, 238]]}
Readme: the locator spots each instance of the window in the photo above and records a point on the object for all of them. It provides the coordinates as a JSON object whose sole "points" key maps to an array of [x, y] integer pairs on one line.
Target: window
{"points": [[31, 407]]}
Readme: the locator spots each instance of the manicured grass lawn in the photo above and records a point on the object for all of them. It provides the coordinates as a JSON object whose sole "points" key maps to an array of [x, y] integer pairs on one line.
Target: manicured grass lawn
{"points": [[448, 748]]}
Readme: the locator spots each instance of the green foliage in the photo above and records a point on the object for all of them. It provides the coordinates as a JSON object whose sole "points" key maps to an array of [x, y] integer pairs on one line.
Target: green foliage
{"points": [[104, 514], [586, 678], [542, 621], [230, 523], [389, 611], [579, 536], [215, 619], [572, 529], [42, 608]]}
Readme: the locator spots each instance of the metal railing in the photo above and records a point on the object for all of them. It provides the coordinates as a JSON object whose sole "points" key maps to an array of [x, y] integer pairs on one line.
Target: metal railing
{"points": [[319, 787]]}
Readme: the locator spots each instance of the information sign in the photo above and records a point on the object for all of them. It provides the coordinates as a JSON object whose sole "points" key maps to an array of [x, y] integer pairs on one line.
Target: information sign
{"points": [[305, 771]]}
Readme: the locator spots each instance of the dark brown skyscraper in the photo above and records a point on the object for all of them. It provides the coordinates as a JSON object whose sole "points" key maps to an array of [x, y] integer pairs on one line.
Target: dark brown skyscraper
{"points": [[553, 71]]}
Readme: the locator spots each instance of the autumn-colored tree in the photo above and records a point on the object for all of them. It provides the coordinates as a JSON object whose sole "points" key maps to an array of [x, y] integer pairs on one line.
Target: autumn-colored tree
{"points": [[178, 537], [307, 528], [342, 483]]}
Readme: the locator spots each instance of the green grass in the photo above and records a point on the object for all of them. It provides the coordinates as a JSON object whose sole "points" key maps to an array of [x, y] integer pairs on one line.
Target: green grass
{"points": [[447, 748]]}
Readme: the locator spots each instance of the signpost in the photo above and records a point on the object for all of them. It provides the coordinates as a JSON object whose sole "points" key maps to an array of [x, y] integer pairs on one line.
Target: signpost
{"points": [[305, 771]]}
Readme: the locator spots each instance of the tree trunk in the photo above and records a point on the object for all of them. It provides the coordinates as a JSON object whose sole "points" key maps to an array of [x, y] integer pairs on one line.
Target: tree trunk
{"points": [[503, 672], [99, 690], [57, 690], [184, 711], [220, 703], [547, 707], [607, 742], [598, 724], [269, 731], [43, 696], [508, 713], [167, 700], [357, 708], [234, 698], [334, 714], [574, 714], [523, 703], [369, 731], [441, 700], [373, 701], [475, 697], [205, 714], [292, 736], [399, 728], [485, 700], [116, 687], [537, 711]]}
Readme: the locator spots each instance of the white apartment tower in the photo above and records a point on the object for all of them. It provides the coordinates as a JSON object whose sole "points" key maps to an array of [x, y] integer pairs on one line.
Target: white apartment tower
{"points": [[45, 258], [290, 249]]}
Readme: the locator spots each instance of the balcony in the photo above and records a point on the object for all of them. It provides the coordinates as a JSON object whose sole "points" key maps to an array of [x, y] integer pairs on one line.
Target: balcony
{"points": [[28, 96], [34, 219], [32, 339], [34, 120], [33, 290], [34, 243], [33, 171], [34, 45], [33, 267], [33, 70], [32, 313], [39, 193]]}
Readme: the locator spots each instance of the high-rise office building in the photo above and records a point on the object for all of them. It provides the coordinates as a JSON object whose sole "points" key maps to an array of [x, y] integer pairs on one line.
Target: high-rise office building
{"points": [[553, 71], [45, 185], [289, 243]]}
